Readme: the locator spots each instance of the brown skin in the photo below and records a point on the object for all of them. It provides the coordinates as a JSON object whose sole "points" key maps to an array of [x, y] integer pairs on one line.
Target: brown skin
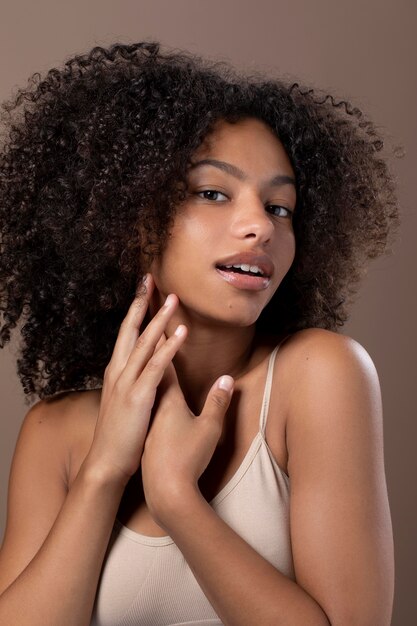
{"points": [[239, 215], [219, 317], [75, 452]]}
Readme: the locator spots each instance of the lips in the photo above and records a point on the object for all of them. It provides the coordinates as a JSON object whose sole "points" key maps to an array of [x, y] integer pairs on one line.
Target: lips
{"points": [[246, 280], [249, 258]]}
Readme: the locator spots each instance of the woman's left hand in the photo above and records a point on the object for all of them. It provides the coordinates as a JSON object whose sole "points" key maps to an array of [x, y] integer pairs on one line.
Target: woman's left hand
{"points": [[179, 444]]}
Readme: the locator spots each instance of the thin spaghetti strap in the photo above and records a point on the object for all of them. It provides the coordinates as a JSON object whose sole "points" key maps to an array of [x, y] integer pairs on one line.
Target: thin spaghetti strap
{"points": [[268, 386]]}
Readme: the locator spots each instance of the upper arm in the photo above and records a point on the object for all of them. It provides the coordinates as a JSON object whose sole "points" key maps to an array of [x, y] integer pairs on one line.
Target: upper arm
{"points": [[37, 489], [340, 520]]}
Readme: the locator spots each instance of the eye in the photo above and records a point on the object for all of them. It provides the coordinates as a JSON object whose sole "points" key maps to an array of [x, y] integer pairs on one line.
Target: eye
{"points": [[277, 207], [210, 193]]}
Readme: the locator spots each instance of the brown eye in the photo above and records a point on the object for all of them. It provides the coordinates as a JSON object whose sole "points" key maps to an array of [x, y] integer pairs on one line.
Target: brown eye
{"points": [[276, 207], [210, 193]]}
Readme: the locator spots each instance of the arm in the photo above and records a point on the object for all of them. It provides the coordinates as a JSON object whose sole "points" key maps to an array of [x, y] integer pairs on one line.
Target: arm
{"points": [[55, 541], [243, 587], [340, 521], [340, 517]]}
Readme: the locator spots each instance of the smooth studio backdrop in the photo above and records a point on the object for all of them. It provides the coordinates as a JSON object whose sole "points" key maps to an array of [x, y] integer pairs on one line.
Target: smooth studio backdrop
{"points": [[364, 51]]}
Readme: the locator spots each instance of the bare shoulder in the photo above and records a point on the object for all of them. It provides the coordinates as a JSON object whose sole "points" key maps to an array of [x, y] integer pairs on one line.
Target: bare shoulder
{"points": [[316, 356], [313, 341], [79, 414], [333, 388], [53, 433], [66, 424], [341, 529]]}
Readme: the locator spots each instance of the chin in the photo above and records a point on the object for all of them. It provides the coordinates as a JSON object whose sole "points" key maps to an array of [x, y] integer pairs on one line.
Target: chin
{"points": [[238, 318], [217, 310]]}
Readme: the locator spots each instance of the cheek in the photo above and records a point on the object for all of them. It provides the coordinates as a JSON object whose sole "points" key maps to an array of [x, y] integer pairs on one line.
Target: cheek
{"points": [[193, 241], [201, 229], [184, 251], [286, 247]]}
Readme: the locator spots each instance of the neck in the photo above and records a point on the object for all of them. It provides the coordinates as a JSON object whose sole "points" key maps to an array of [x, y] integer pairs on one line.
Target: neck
{"points": [[205, 356], [209, 351]]}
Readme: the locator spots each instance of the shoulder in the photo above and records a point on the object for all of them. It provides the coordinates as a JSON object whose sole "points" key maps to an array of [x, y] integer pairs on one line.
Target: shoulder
{"points": [[316, 368], [65, 412], [64, 425], [340, 519], [315, 364], [51, 433], [319, 342], [331, 383], [322, 359]]}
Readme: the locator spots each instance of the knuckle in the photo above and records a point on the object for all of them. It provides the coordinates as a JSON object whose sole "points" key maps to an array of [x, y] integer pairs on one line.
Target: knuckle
{"points": [[109, 373], [219, 400], [139, 302], [139, 305], [137, 311], [154, 364], [140, 342], [133, 397], [119, 388]]}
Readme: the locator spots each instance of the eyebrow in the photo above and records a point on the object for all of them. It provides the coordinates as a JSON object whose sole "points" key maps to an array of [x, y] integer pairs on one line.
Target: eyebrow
{"points": [[277, 181]]}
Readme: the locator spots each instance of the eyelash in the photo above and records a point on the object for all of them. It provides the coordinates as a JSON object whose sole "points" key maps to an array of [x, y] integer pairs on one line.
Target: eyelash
{"points": [[223, 194]]}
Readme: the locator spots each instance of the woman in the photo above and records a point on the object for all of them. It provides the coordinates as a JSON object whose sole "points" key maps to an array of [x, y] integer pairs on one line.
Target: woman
{"points": [[206, 447]]}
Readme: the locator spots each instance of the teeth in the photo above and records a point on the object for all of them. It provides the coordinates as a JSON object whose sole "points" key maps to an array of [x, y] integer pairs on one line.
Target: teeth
{"points": [[247, 268]]}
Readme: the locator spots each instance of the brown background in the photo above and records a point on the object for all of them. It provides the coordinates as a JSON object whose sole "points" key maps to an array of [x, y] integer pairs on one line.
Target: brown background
{"points": [[362, 50]]}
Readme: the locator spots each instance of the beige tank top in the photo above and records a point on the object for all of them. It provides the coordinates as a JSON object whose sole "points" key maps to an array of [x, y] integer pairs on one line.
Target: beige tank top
{"points": [[146, 581]]}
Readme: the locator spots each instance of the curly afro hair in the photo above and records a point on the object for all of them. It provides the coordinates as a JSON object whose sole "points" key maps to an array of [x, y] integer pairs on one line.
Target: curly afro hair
{"points": [[93, 164]]}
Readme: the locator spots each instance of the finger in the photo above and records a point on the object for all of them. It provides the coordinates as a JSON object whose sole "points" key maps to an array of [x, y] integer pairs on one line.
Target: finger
{"points": [[169, 384], [161, 341], [218, 401], [129, 328], [145, 345], [161, 360], [159, 345]]}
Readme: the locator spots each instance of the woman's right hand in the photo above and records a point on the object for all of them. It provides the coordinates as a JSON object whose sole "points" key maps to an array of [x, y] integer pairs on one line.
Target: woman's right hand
{"points": [[129, 388]]}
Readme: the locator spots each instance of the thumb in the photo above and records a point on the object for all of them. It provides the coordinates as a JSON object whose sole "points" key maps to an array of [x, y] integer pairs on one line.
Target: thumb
{"points": [[218, 400]]}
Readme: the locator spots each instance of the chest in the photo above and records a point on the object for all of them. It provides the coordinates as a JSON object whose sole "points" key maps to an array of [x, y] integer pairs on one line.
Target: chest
{"points": [[242, 423], [145, 577]]}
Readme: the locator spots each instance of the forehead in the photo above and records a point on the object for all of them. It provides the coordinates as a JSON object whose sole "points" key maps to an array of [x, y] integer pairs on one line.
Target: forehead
{"points": [[249, 144], [249, 140]]}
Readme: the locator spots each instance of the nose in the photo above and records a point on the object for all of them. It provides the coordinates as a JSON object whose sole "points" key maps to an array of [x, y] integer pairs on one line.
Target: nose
{"points": [[251, 221]]}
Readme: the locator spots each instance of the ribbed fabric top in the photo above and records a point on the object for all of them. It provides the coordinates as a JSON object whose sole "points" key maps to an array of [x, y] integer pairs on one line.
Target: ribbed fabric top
{"points": [[146, 581]]}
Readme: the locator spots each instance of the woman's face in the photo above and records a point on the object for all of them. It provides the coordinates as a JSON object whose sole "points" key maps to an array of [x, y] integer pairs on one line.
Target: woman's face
{"points": [[241, 194]]}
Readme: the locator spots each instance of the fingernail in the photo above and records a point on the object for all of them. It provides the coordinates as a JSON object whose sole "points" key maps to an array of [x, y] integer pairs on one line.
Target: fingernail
{"points": [[169, 300], [226, 383], [180, 330]]}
